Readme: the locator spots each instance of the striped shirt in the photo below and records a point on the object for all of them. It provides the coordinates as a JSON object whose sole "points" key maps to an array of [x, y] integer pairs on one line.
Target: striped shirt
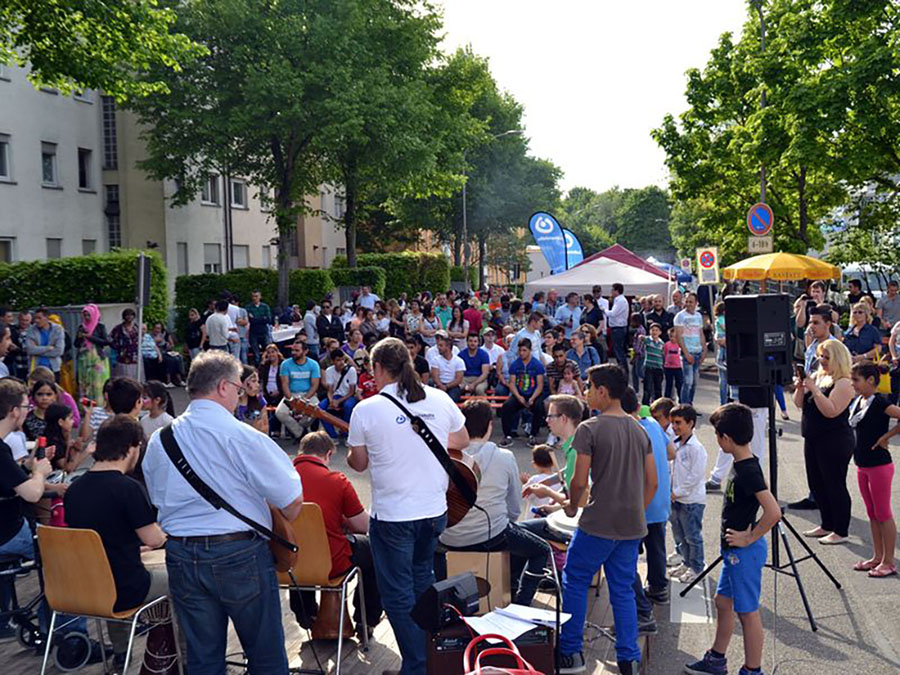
{"points": [[653, 356]]}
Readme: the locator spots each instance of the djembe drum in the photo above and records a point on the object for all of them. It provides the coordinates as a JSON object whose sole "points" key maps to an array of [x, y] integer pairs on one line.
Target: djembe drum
{"points": [[161, 653]]}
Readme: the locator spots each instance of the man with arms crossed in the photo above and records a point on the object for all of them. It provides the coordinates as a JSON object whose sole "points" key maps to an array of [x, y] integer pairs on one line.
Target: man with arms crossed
{"points": [[219, 568], [409, 485]]}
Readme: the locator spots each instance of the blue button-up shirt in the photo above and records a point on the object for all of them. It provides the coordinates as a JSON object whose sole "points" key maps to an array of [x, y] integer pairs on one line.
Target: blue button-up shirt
{"points": [[247, 468], [568, 318], [869, 337]]}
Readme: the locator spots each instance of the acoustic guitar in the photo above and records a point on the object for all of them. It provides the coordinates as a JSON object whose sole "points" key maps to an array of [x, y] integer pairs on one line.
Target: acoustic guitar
{"points": [[457, 506]]}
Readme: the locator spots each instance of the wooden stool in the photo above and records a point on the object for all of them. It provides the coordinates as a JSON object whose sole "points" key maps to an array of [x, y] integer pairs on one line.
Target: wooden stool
{"points": [[491, 566], [328, 618]]}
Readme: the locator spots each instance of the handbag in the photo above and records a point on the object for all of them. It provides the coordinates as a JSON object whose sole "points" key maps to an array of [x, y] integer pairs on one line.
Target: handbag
{"points": [[476, 667], [884, 382], [281, 538]]}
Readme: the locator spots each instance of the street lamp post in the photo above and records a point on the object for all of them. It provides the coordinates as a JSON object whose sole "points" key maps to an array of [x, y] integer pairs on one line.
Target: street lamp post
{"points": [[465, 225]]}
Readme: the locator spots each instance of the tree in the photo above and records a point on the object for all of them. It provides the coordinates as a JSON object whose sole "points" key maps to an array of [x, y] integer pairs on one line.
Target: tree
{"points": [[643, 222], [93, 44]]}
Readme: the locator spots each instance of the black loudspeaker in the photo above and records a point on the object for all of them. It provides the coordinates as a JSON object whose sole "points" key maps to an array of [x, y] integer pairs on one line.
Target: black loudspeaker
{"points": [[758, 339]]}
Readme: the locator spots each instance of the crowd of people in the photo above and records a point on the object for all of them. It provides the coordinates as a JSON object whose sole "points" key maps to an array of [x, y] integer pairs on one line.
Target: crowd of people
{"points": [[612, 378]]}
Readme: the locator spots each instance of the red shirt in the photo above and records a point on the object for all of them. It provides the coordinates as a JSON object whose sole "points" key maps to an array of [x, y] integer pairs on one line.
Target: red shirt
{"points": [[337, 498], [366, 385], [473, 316]]}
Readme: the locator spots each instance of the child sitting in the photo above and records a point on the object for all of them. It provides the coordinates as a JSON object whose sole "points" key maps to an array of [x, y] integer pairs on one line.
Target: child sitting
{"points": [[688, 494], [547, 474], [570, 384], [870, 415], [743, 546]]}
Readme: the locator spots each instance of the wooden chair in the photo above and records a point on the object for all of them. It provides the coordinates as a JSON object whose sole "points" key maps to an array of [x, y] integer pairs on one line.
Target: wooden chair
{"points": [[78, 581], [313, 566]]}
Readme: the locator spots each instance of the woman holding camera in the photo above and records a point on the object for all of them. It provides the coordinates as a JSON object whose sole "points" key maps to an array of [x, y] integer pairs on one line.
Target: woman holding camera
{"points": [[828, 441]]}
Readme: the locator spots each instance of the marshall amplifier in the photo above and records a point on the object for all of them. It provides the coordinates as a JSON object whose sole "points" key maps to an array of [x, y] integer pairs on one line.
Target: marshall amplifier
{"points": [[447, 646]]}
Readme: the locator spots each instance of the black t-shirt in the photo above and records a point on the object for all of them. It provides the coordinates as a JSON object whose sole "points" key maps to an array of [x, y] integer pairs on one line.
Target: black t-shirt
{"points": [[420, 363], [11, 477], [115, 506], [740, 504], [869, 429]]}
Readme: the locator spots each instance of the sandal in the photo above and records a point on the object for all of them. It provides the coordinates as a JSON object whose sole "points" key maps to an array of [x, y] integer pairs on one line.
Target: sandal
{"points": [[883, 571], [865, 565]]}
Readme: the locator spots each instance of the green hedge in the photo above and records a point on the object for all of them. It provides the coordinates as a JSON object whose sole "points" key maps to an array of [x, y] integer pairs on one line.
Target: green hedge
{"points": [[99, 278], [457, 274], [406, 272], [374, 277]]}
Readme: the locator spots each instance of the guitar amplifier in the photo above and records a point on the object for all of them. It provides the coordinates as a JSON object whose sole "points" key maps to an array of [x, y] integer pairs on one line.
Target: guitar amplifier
{"points": [[447, 646]]}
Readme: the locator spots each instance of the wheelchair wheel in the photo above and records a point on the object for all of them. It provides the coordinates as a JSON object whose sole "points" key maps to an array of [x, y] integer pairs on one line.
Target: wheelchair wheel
{"points": [[29, 637], [72, 651]]}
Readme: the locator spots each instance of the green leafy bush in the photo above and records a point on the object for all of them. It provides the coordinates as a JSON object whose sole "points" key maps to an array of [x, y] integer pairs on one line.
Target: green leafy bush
{"points": [[406, 272], [457, 274], [374, 277], [99, 278]]}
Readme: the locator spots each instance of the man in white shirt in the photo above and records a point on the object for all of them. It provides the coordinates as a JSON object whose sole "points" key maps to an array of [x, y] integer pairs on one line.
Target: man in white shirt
{"points": [[617, 321], [312, 332], [218, 566], [367, 298], [677, 304], [218, 326], [689, 335], [340, 382], [407, 516], [492, 348], [569, 315], [447, 369], [237, 317]]}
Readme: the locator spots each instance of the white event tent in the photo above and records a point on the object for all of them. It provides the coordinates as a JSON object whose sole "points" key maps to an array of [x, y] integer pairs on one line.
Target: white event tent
{"points": [[603, 271]]}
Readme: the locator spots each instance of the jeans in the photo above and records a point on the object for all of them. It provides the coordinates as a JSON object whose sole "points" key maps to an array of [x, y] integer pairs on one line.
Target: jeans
{"points": [[245, 349], [527, 559], [653, 379], [404, 567], [510, 410], [313, 350], [455, 394], [687, 530], [655, 548], [674, 381], [779, 397], [617, 338], [346, 410], [637, 373], [691, 375], [211, 583], [619, 560], [258, 341]]}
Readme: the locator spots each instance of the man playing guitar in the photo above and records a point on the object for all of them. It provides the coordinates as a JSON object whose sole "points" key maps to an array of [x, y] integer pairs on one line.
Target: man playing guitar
{"points": [[409, 504]]}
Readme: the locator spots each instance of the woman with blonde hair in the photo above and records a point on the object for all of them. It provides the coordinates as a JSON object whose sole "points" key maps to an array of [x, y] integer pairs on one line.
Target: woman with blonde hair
{"points": [[828, 441], [861, 337]]}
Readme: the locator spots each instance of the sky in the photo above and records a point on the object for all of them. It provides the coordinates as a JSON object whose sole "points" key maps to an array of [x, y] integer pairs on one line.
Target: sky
{"points": [[594, 76]]}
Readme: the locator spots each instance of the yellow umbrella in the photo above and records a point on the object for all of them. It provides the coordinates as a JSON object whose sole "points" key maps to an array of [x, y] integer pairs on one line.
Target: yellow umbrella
{"points": [[781, 267]]}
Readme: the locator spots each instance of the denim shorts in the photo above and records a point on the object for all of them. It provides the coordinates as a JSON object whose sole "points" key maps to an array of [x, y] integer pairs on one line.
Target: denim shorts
{"points": [[741, 578]]}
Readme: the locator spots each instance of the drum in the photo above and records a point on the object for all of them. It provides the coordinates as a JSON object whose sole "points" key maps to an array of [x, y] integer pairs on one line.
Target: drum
{"points": [[160, 655], [559, 523]]}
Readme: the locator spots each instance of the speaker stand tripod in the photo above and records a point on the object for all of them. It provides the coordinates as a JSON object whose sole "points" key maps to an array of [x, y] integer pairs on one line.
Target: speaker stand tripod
{"points": [[784, 526]]}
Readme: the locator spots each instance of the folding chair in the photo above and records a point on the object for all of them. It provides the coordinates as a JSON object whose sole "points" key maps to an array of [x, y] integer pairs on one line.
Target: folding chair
{"points": [[313, 566], [78, 581]]}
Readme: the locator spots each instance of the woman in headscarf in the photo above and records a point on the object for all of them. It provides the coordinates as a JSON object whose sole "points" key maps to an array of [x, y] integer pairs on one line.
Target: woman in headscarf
{"points": [[91, 342]]}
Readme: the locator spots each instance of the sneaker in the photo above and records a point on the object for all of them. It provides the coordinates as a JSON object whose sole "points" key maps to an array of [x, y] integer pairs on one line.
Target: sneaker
{"points": [[676, 572], [506, 442], [709, 664], [657, 597], [629, 667], [688, 576], [713, 486], [674, 560], [532, 440], [746, 671], [572, 663]]}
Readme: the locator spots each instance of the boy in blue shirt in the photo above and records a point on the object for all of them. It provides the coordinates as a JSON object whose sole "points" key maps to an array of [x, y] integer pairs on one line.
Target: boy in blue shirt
{"points": [[526, 386], [744, 549], [478, 367]]}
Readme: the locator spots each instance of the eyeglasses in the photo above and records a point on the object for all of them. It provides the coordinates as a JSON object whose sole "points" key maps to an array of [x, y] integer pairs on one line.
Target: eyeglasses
{"points": [[236, 385], [553, 416]]}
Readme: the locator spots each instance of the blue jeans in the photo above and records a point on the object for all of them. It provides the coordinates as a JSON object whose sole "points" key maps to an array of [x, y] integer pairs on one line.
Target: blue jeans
{"points": [[637, 373], [211, 583], [691, 375], [619, 560], [728, 392], [687, 530], [617, 337], [779, 397], [346, 409], [404, 567]]}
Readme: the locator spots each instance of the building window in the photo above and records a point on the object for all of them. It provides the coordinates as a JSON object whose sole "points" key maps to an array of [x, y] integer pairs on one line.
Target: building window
{"points": [[88, 246], [239, 194], [181, 255], [48, 165], [113, 220], [266, 256], [340, 251], [5, 165], [110, 143], [84, 169], [209, 193], [212, 258], [54, 248], [340, 207], [240, 256], [7, 249]]}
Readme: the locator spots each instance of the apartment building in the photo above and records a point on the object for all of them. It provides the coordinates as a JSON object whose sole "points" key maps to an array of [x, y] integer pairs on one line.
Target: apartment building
{"points": [[70, 185]]}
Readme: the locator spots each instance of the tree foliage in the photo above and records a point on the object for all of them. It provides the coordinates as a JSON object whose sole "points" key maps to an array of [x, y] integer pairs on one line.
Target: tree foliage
{"points": [[93, 44]]}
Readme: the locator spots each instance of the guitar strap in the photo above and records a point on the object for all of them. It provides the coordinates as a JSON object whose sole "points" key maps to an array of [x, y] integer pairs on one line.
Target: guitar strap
{"points": [[440, 454]]}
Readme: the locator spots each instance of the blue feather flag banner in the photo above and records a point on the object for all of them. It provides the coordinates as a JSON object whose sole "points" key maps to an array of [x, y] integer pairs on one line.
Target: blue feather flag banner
{"points": [[548, 235], [574, 252]]}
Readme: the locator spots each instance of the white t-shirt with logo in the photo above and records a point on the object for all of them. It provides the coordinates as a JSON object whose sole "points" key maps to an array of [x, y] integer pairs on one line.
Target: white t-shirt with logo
{"points": [[691, 330], [408, 482]]}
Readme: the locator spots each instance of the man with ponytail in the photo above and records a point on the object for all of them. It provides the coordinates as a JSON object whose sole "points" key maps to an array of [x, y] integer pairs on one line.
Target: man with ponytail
{"points": [[409, 485]]}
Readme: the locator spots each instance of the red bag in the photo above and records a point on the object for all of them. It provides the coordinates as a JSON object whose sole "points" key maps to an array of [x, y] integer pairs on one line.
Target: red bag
{"points": [[522, 666]]}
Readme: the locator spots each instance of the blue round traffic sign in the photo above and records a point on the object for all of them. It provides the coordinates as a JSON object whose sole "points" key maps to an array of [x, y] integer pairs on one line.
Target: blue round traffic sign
{"points": [[760, 219]]}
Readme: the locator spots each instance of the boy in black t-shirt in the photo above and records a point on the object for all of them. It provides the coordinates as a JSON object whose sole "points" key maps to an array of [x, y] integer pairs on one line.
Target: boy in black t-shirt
{"points": [[743, 546]]}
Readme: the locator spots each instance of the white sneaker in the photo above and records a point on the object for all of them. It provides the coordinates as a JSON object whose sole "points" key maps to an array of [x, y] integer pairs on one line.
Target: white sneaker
{"points": [[676, 572], [674, 560]]}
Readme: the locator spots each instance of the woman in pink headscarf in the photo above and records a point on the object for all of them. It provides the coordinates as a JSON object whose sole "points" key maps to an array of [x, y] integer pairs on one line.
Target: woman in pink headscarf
{"points": [[92, 344]]}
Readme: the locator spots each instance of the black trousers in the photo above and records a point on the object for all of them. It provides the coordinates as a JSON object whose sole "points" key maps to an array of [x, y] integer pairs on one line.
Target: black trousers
{"points": [[305, 607], [510, 410], [827, 459], [653, 380]]}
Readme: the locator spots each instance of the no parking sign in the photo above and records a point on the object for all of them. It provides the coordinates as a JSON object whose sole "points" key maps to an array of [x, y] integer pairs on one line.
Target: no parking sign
{"points": [[708, 265]]}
